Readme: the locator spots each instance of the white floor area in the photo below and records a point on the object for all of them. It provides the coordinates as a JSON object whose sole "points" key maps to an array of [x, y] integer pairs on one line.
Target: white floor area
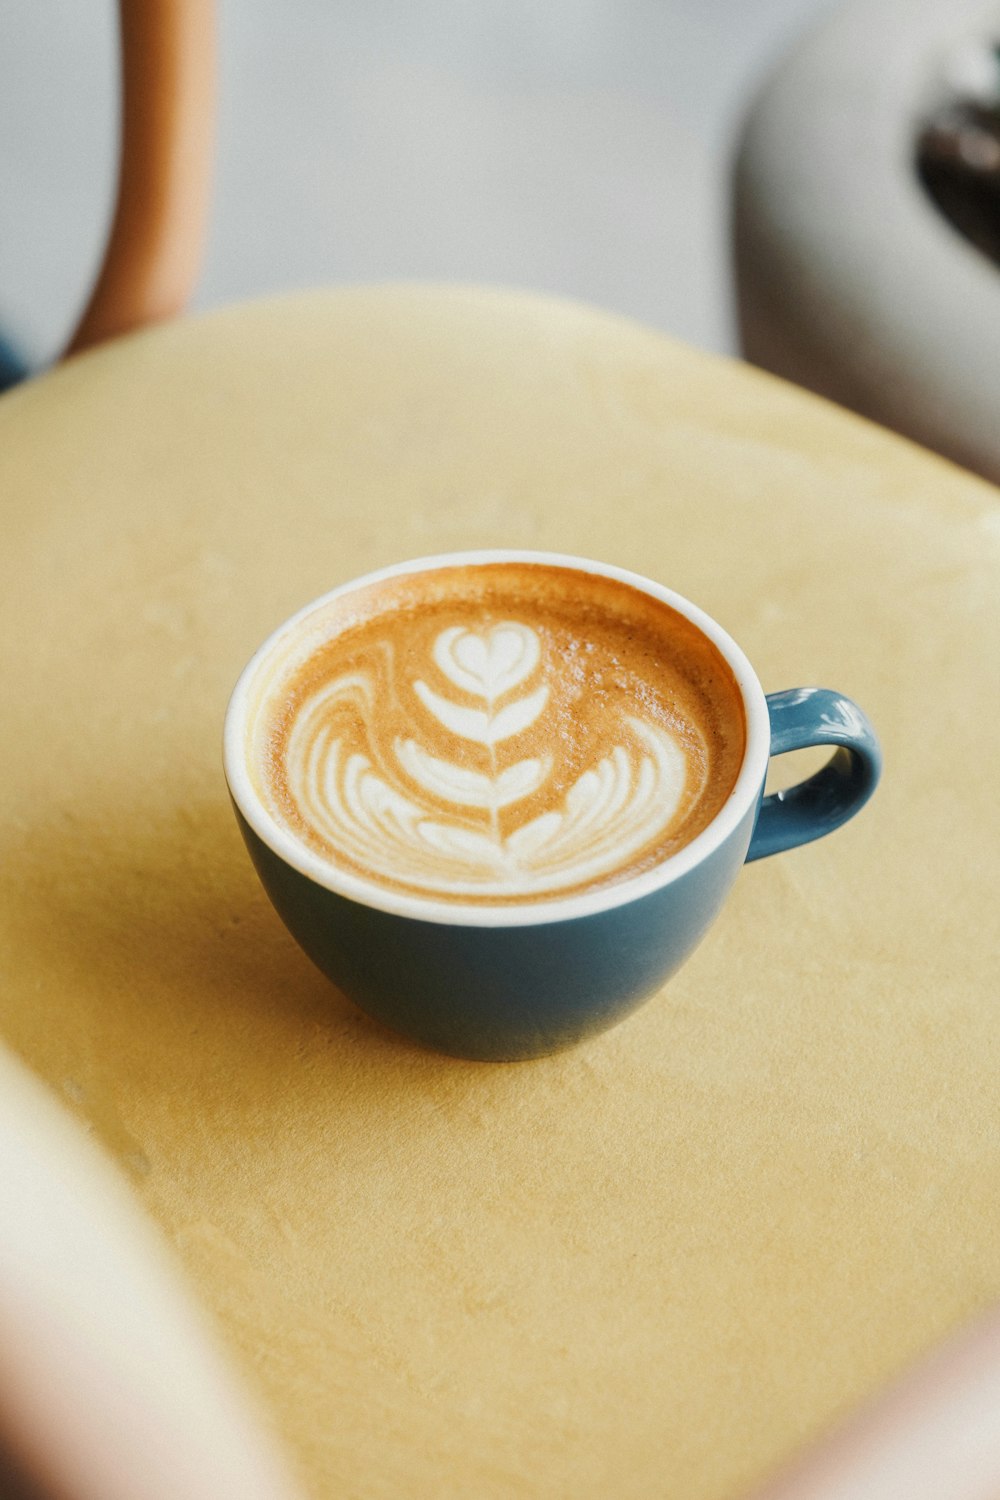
{"points": [[579, 148]]}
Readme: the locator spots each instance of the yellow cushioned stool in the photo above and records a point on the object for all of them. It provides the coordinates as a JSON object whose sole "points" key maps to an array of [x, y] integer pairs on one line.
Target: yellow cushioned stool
{"points": [[653, 1265]]}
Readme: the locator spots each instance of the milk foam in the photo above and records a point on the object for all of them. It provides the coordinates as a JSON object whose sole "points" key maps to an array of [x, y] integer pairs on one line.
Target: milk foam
{"points": [[385, 812], [488, 758]]}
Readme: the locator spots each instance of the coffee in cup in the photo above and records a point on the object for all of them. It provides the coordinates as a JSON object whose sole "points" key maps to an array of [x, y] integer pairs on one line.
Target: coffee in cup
{"points": [[507, 731], [498, 798]]}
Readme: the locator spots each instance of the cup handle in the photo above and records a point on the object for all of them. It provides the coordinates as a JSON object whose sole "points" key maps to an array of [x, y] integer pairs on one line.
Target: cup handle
{"points": [[815, 716]]}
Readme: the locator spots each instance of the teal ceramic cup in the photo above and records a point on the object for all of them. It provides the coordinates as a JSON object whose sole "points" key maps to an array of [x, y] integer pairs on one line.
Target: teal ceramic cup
{"points": [[513, 981]]}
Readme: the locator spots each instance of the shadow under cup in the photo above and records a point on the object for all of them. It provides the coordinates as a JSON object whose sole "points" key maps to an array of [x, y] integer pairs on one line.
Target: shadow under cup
{"points": [[514, 980]]}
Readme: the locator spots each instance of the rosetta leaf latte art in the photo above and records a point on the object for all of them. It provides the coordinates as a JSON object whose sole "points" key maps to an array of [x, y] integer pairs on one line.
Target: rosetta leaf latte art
{"points": [[431, 818]]}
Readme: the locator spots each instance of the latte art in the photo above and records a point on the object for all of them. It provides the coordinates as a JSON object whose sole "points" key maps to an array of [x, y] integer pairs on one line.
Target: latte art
{"points": [[447, 747], [436, 823]]}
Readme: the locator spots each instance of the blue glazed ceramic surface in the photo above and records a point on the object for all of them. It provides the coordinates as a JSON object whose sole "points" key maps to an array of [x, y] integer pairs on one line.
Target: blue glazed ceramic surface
{"points": [[500, 993], [515, 981], [799, 718]]}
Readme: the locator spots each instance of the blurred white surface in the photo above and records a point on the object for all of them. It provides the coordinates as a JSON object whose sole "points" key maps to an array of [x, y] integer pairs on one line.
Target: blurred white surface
{"points": [[576, 148], [851, 282]]}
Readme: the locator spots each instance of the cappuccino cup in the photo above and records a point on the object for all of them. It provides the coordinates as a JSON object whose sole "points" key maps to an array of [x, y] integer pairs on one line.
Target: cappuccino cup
{"points": [[499, 797]]}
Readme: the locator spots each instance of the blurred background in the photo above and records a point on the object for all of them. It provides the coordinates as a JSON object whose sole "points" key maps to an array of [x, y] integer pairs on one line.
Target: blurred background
{"points": [[580, 147]]}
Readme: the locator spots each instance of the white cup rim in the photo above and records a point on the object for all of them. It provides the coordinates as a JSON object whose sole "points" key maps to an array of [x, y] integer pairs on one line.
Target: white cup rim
{"points": [[553, 909]]}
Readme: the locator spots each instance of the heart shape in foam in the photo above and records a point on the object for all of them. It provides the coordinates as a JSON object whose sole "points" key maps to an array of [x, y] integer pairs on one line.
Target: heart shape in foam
{"points": [[488, 663]]}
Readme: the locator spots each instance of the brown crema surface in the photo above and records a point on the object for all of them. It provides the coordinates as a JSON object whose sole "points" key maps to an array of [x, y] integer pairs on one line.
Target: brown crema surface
{"points": [[611, 664]]}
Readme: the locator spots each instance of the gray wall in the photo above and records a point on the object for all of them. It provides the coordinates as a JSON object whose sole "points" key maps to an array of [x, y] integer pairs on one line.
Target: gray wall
{"points": [[579, 148]]}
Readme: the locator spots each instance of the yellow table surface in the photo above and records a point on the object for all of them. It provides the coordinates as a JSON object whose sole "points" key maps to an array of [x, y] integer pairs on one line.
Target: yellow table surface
{"points": [[652, 1266]]}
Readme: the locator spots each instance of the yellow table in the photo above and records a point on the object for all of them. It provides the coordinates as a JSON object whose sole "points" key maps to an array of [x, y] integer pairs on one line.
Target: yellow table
{"points": [[648, 1267]]}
